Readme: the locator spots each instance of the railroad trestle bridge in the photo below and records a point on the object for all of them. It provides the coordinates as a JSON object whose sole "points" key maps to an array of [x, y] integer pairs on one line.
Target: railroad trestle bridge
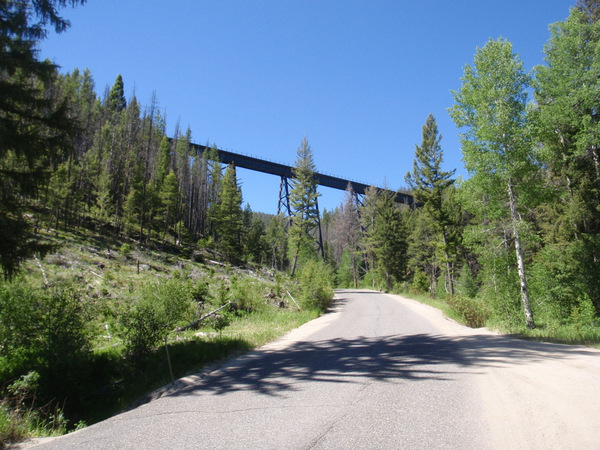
{"points": [[286, 173]]}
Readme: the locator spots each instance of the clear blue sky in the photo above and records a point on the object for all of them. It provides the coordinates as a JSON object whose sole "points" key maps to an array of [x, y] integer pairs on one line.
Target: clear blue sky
{"points": [[357, 78]]}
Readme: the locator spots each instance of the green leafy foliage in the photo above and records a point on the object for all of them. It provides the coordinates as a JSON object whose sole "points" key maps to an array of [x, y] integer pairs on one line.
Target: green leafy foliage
{"points": [[474, 312], [491, 107], [153, 312], [420, 283], [45, 330], [316, 284]]}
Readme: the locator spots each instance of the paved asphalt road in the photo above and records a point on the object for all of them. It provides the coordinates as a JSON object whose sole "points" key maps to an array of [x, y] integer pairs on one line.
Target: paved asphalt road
{"points": [[378, 371]]}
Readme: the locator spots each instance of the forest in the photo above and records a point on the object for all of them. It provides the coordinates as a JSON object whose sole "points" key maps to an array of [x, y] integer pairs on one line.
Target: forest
{"points": [[515, 246]]}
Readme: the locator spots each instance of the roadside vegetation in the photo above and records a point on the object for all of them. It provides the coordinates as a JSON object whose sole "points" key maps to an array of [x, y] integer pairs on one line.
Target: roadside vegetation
{"points": [[85, 331]]}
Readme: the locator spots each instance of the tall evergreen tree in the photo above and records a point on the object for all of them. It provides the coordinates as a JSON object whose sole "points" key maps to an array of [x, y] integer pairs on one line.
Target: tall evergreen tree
{"points": [[215, 176], [170, 198], [253, 237], [116, 97], [77, 91], [304, 206], [229, 218], [33, 128], [153, 128], [430, 184], [368, 214], [199, 191], [389, 240], [421, 250]]}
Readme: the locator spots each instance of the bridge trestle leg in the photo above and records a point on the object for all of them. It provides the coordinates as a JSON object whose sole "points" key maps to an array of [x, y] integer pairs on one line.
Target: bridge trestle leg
{"points": [[283, 206]]}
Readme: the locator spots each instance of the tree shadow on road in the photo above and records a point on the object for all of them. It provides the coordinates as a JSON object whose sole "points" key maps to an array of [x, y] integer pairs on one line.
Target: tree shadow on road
{"points": [[400, 358]]}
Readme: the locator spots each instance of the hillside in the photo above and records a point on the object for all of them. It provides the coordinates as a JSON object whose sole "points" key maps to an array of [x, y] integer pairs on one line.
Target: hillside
{"points": [[90, 322]]}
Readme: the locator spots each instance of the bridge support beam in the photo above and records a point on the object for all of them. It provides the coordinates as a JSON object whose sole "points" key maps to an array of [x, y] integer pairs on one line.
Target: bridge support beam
{"points": [[283, 207]]}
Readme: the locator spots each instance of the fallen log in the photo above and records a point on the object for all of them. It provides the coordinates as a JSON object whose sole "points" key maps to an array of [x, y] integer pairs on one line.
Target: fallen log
{"points": [[204, 317]]}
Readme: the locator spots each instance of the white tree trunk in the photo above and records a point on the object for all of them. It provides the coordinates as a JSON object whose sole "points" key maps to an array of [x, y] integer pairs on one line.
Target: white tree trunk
{"points": [[448, 266], [515, 219]]}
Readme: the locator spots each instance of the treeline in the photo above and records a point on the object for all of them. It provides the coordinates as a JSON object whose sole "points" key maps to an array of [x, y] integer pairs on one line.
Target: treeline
{"points": [[518, 242], [123, 172], [119, 171]]}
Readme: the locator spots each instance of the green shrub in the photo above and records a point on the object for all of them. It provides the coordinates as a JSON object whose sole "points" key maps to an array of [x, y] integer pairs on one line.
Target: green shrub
{"points": [[206, 242], [316, 285], [45, 330], [467, 283], [220, 321], [20, 417], [344, 273], [562, 276], [473, 311], [248, 293], [420, 283], [42, 327], [12, 427], [125, 249], [584, 313], [153, 312], [372, 280]]}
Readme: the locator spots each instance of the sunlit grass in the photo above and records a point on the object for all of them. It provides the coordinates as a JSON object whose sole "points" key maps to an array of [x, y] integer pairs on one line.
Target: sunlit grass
{"points": [[16, 425], [263, 327], [574, 334]]}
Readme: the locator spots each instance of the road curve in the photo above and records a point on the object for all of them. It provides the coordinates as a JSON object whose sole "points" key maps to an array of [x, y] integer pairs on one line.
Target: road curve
{"points": [[378, 371]]}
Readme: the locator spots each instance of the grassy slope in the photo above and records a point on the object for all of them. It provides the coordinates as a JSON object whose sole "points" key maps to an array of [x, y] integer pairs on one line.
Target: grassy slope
{"points": [[106, 272]]}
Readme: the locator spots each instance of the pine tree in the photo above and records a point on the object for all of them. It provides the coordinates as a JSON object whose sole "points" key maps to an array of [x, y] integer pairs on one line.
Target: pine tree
{"points": [[163, 162], [430, 185], [368, 214], [116, 97], [421, 249], [303, 203], [389, 240], [76, 90], [33, 128], [215, 175], [253, 237], [153, 128], [199, 192], [229, 217], [170, 198]]}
